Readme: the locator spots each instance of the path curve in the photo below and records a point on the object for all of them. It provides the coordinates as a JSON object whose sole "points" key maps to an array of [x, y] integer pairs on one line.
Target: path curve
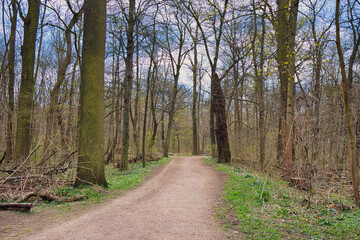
{"points": [[176, 203]]}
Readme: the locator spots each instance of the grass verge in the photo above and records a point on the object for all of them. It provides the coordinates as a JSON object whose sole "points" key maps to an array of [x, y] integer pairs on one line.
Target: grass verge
{"points": [[118, 182], [267, 208]]}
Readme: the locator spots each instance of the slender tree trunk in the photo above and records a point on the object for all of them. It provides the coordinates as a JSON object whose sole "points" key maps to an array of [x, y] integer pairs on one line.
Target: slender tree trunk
{"points": [[153, 103], [23, 133], [54, 93], [163, 120], [146, 106], [152, 53], [128, 86], [193, 110], [11, 67], [291, 88], [70, 128], [282, 43], [317, 96], [90, 168], [347, 111], [259, 76], [171, 113], [136, 104]]}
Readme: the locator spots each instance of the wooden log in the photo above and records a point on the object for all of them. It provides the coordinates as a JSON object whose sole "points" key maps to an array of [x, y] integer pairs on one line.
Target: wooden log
{"points": [[51, 198], [23, 207]]}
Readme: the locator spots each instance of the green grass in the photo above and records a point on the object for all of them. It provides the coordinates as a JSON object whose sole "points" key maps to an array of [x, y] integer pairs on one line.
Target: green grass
{"points": [[118, 182], [267, 208]]}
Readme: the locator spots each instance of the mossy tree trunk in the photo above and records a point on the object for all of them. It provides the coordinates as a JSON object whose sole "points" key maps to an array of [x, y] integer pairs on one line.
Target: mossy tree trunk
{"points": [[26, 95], [90, 168]]}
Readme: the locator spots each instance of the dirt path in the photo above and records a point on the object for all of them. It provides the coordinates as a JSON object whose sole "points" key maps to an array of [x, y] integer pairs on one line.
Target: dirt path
{"points": [[176, 203]]}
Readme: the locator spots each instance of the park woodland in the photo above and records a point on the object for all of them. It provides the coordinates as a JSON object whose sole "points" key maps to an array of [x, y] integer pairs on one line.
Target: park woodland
{"points": [[91, 88]]}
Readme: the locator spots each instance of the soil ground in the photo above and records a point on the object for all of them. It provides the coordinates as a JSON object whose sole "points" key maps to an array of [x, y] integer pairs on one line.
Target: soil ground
{"points": [[177, 202]]}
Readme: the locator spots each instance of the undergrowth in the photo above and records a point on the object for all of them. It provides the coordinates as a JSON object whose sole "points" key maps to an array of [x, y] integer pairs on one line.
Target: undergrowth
{"points": [[266, 208], [118, 182]]}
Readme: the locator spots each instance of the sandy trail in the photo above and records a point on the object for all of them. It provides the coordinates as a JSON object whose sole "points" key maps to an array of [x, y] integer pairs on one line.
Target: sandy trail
{"points": [[176, 203]]}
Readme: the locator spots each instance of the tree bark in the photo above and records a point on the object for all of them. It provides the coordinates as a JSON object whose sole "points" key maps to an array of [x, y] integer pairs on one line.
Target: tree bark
{"points": [[282, 52], [90, 169], [128, 82], [195, 148], [11, 67], [222, 139], [259, 84], [293, 12], [347, 110], [23, 133]]}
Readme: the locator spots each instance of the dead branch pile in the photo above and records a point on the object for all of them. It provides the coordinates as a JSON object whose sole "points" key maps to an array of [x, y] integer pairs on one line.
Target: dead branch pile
{"points": [[31, 183]]}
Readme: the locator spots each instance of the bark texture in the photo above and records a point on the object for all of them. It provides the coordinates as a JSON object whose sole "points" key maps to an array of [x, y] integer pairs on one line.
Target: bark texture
{"points": [[90, 168], [347, 110], [23, 133], [128, 82], [222, 139], [11, 65]]}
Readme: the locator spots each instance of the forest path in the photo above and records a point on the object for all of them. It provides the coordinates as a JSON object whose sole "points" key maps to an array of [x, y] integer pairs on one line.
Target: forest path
{"points": [[176, 203]]}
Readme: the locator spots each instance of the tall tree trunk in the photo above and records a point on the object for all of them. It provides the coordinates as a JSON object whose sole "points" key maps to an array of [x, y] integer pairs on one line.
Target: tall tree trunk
{"points": [[347, 110], [128, 87], [222, 139], [317, 96], [261, 93], [163, 118], [153, 103], [195, 147], [23, 133], [136, 103], [90, 169], [259, 84], [293, 12], [11, 67], [282, 52], [171, 113], [146, 104]]}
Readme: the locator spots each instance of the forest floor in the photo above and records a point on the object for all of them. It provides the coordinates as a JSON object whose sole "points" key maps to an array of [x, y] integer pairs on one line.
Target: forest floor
{"points": [[260, 206], [177, 201]]}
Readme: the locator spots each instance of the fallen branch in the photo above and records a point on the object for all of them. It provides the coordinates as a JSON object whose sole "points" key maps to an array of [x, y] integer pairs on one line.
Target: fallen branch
{"points": [[51, 198], [23, 207], [56, 168], [3, 157], [21, 177]]}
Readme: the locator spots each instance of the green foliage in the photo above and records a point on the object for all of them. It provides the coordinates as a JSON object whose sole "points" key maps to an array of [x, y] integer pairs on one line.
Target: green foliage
{"points": [[267, 208]]}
